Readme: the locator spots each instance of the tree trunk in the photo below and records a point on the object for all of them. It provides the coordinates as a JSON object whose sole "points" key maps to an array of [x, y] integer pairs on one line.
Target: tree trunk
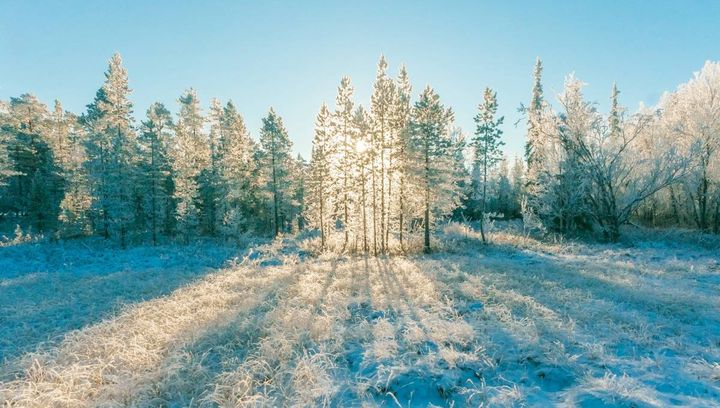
{"points": [[275, 196], [364, 208], [484, 194], [346, 175], [389, 209], [426, 247], [401, 210], [382, 185], [322, 218], [716, 227], [374, 198], [154, 192], [612, 229]]}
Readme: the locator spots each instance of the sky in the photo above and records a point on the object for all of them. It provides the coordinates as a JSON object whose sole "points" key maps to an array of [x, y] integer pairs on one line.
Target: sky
{"points": [[291, 54]]}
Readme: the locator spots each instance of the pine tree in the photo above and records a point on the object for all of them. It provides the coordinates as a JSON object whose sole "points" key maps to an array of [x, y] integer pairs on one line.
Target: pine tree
{"points": [[111, 152], [320, 182], [533, 149], [67, 141], [299, 172], [487, 143], [275, 163], [433, 158], [239, 183], [344, 138], [461, 175], [381, 102], [363, 155], [402, 111], [190, 156], [154, 140], [616, 113], [517, 174], [503, 190], [34, 186], [209, 182], [6, 165]]}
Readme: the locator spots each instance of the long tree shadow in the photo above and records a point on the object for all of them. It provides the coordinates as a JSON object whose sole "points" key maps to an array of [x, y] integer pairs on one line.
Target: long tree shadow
{"points": [[410, 365], [546, 281], [48, 290], [603, 281], [191, 372], [195, 372]]}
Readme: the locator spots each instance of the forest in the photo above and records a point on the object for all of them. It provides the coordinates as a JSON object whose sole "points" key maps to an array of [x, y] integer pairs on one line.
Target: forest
{"points": [[378, 176]]}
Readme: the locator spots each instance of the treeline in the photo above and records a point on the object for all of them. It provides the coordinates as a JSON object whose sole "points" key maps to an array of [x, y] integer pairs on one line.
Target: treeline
{"points": [[380, 174], [378, 177], [588, 172], [181, 176]]}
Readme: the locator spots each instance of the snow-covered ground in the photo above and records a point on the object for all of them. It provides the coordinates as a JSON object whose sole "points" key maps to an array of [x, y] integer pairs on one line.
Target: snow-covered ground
{"points": [[520, 322]]}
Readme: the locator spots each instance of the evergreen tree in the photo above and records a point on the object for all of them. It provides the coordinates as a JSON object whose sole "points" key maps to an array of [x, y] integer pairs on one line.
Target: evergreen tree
{"points": [[239, 184], [461, 175], [401, 158], [503, 190], [276, 164], [363, 155], [381, 103], [67, 141], [487, 143], [533, 144], [6, 165], [433, 158], [320, 182], [209, 183], [154, 140], [517, 174], [616, 113], [111, 148], [344, 134], [190, 156], [299, 178], [35, 187]]}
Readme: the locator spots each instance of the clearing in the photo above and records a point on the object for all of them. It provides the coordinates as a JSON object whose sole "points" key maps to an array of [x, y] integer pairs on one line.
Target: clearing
{"points": [[520, 322]]}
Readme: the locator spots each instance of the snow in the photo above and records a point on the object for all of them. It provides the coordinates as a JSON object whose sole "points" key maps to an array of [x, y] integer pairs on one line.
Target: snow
{"points": [[518, 322]]}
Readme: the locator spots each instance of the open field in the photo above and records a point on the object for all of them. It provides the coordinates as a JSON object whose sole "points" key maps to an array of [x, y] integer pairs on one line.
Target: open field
{"points": [[520, 322]]}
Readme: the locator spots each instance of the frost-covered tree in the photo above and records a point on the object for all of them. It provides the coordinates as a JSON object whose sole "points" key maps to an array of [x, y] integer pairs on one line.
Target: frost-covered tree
{"points": [[433, 153], [461, 175], [535, 134], [502, 200], [111, 148], [487, 144], [692, 116], [563, 185], [6, 165], [363, 156], [35, 188], [517, 179], [275, 162], [209, 182], [400, 150], [239, 205], [381, 109], [154, 140], [299, 171], [190, 155], [320, 181], [345, 145], [67, 141], [606, 172]]}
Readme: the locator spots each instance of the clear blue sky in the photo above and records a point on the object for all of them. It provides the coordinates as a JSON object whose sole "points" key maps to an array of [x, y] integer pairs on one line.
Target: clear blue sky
{"points": [[291, 54]]}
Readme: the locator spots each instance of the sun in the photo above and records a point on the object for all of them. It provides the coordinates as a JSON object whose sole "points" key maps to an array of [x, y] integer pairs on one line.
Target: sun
{"points": [[361, 146]]}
